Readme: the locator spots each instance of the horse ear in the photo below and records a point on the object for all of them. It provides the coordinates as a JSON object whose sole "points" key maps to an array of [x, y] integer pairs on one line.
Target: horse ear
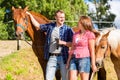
{"points": [[107, 34], [26, 8], [13, 8]]}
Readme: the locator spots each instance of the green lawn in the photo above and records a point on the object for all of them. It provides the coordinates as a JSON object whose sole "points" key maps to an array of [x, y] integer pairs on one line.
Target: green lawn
{"points": [[23, 65], [20, 65]]}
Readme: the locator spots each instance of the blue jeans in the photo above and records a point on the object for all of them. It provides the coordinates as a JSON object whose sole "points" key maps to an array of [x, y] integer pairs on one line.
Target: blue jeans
{"points": [[80, 64], [54, 63]]}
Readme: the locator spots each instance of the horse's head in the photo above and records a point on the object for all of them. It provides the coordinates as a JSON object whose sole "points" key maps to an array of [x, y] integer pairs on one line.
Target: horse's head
{"points": [[102, 49], [20, 20]]}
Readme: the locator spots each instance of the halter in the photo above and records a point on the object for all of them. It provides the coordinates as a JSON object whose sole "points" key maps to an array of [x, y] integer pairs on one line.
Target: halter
{"points": [[23, 27], [106, 48], [104, 53]]}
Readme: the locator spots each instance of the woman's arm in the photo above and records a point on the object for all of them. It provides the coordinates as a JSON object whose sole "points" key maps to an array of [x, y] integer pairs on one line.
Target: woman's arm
{"points": [[68, 61], [92, 53], [34, 22], [70, 55]]}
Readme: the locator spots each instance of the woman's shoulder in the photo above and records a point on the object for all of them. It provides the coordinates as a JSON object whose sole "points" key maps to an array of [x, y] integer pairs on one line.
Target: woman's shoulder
{"points": [[89, 32]]}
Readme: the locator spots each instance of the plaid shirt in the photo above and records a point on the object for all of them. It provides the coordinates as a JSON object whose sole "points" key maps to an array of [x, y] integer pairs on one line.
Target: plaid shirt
{"points": [[66, 34]]}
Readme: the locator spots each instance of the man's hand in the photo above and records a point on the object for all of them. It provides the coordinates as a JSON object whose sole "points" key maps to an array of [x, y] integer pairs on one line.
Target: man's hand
{"points": [[34, 21], [28, 13], [57, 42], [61, 42]]}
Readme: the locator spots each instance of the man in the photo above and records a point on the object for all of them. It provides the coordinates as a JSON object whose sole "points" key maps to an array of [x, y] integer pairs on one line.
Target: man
{"points": [[58, 41]]}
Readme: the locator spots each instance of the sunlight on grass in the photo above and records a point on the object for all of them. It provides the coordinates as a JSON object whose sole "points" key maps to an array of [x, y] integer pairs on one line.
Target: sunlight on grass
{"points": [[9, 77], [21, 65]]}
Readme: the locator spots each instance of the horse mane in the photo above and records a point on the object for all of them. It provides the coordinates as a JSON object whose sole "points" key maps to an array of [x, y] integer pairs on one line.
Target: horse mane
{"points": [[40, 15], [114, 38]]}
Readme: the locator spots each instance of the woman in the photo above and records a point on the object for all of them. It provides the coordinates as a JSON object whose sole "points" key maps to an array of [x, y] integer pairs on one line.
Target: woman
{"points": [[82, 55]]}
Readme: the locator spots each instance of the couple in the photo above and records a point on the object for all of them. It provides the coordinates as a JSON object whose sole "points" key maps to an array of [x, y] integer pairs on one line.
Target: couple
{"points": [[59, 38]]}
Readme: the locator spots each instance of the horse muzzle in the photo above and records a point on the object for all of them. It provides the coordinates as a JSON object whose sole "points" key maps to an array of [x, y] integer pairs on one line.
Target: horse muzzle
{"points": [[20, 35], [99, 63]]}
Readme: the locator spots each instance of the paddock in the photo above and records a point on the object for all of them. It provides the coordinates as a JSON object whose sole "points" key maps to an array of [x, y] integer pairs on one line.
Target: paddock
{"points": [[9, 46], [12, 45]]}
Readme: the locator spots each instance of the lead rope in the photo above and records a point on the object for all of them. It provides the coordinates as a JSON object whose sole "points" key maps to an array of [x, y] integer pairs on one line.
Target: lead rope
{"points": [[27, 42], [92, 75]]}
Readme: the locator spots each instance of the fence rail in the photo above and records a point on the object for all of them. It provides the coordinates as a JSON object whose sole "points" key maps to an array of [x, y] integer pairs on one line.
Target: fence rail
{"points": [[92, 21], [75, 21]]}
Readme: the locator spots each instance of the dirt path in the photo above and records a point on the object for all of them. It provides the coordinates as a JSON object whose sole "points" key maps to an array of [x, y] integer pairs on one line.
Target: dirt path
{"points": [[9, 46]]}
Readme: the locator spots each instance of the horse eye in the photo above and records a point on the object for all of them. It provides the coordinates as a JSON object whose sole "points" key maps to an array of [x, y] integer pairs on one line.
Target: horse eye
{"points": [[102, 47], [14, 21], [23, 18]]}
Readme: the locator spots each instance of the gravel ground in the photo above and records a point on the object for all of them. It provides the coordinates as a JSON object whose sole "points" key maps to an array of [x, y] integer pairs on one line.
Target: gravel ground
{"points": [[9, 46]]}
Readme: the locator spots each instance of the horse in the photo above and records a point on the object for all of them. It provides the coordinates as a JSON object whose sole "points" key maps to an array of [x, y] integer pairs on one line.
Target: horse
{"points": [[23, 24], [108, 44]]}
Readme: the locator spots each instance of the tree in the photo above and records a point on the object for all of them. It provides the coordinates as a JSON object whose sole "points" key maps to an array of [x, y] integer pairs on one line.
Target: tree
{"points": [[72, 8], [102, 13]]}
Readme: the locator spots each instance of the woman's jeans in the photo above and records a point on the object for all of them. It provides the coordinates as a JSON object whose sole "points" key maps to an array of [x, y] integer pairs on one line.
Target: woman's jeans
{"points": [[80, 64], [54, 63]]}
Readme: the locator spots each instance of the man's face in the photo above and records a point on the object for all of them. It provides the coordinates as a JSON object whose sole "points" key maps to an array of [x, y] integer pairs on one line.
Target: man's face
{"points": [[60, 18]]}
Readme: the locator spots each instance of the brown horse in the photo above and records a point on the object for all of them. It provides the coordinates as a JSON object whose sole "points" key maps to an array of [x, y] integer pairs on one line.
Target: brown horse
{"points": [[23, 24], [108, 44]]}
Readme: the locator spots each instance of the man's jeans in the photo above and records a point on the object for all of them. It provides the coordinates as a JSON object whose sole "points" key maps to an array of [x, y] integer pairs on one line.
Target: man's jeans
{"points": [[54, 63]]}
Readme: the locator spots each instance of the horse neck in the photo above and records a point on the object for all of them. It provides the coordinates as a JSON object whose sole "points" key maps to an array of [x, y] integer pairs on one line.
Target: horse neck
{"points": [[40, 18], [37, 37]]}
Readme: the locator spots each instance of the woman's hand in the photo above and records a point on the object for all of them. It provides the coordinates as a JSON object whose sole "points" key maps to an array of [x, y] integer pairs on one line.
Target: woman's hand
{"points": [[94, 68], [67, 65]]}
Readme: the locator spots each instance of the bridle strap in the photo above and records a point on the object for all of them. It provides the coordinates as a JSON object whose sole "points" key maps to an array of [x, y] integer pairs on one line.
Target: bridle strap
{"points": [[20, 25], [23, 27], [106, 50]]}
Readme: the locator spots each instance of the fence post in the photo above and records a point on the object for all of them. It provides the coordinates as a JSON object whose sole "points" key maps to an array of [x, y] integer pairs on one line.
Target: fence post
{"points": [[18, 44]]}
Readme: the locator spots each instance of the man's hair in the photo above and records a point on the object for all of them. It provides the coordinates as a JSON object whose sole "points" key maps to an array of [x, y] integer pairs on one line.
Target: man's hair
{"points": [[61, 11]]}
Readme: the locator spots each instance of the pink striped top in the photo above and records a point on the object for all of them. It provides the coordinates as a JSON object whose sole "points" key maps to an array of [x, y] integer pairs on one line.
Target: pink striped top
{"points": [[81, 44]]}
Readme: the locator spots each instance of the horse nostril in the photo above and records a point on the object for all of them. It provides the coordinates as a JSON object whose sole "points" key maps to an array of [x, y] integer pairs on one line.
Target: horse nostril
{"points": [[16, 34], [21, 32], [98, 65]]}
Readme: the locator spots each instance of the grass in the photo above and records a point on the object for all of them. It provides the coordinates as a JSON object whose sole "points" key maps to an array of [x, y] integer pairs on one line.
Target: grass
{"points": [[20, 65], [23, 65]]}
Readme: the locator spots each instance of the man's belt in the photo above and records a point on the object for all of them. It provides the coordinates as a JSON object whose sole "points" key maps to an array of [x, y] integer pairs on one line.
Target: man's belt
{"points": [[55, 54]]}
